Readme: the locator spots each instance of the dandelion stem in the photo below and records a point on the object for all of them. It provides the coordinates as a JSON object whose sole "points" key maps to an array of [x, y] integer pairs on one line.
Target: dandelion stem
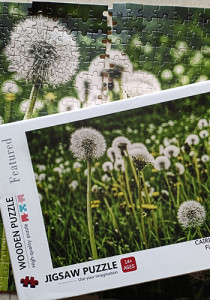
{"points": [[145, 188], [199, 232], [4, 263], [7, 111], [114, 222], [32, 101], [133, 168], [149, 201], [169, 188], [197, 171], [127, 182], [141, 209], [89, 213]]}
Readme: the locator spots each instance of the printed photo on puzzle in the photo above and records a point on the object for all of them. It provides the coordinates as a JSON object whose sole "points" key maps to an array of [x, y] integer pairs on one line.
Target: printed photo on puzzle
{"points": [[57, 57], [111, 195]]}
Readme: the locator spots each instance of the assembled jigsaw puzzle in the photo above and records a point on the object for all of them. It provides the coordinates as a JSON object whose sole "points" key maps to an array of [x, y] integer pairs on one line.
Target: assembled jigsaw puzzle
{"points": [[58, 57]]}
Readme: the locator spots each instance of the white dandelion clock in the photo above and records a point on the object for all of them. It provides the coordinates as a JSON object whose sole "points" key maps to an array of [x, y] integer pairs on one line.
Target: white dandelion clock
{"points": [[43, 50], [87, 144], [162, 163], [118, 60], [202, 123], [141, 158], [77, 165], [171, 151], [113, 153], [83, 85], [95, 188], [191, 214], [121, 142], [119, 165], [192, 140], [139, 83], [73, 185], [105, 178], [205, 158], [10, 87], [107, 166], [180, 168], [68, 104], [136, 146], [203, 134]]}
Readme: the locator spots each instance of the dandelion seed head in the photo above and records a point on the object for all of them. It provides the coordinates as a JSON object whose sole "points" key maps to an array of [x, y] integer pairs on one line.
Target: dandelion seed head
{"points": [[191, 214], [162, 163], [95, 188], [141, 158], [113, 153], [119, 165], [202, 123], [180, 168], [192, 140], [121, 142], [171, 151], [105, 178], [73, 185], [205, 158], [139, 83], [165, 192], [136, 146], [68, 104], [87, 144], [77, 165], [203, 134], [107, 166], [10, 87], [42, 49]]}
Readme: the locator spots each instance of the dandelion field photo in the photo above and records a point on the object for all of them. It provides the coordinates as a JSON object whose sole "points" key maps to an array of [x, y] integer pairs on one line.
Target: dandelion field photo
{"points": [[124, 182], [57, 57]]}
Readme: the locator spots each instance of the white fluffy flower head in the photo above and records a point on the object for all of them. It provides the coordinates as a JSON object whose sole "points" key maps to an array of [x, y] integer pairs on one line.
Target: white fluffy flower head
{"points": [[121, 142], [141, 158], [180, 168], [204, 134], [191, 214], [137, 145], [119, 165], [192, 140], [162, 163], [87, 144], [202, 123], [42, 51], [113, 153], [171, 151], [10, 87], [68, 104], [107, 166], [205, 158]]}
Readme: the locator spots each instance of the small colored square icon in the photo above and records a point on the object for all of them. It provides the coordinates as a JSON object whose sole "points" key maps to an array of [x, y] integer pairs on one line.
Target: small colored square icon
{"points": [[128, 264]]}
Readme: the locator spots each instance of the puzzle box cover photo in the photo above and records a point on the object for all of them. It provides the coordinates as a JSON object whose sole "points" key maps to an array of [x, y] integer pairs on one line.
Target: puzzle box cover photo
{"points": [[108, 194]]}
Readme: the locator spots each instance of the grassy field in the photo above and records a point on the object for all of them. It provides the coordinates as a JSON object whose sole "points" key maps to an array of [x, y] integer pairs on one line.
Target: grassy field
{"points": [[132, 208]]}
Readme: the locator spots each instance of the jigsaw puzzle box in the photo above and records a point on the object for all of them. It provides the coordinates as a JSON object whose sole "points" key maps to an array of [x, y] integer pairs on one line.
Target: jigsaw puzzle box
{"points": [[92, 200], [58, 57]]}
